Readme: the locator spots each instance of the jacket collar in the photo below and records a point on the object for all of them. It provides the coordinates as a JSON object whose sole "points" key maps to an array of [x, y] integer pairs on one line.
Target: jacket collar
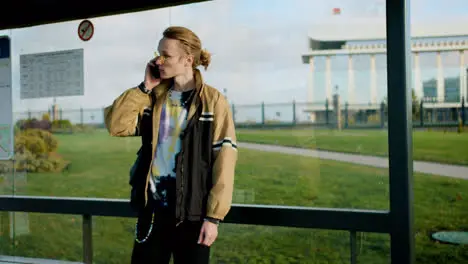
{"points": [[162, 89]]}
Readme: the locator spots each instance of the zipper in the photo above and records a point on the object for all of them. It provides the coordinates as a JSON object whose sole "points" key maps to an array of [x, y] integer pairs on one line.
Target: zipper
{"points": [[178, 223], [179, 206], [193, 107], [156, 112]]}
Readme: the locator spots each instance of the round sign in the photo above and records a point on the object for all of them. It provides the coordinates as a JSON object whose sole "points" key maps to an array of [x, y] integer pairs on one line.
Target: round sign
{"points": [[85, 30]]}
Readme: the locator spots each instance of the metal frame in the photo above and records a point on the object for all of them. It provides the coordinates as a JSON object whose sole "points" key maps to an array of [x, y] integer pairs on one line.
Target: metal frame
{"points": [[400, 143], [286, 216], [398, 222], [40, 12]]}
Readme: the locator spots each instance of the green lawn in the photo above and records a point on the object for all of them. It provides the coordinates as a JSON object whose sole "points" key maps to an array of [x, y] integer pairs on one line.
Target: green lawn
{"points": [[433, 146], [99, 169]]}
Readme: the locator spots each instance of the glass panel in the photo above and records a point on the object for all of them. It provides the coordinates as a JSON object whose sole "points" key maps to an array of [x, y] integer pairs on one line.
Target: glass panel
{"points": [[280, 245], [114, 241], [321, 100], [442, 139], [309, 106], [46, 236], [313, 81], [373, 248]]}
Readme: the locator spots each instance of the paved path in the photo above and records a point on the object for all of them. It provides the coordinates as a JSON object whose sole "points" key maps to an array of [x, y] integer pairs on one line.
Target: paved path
{"points": [[23, 260], [453, 171]]}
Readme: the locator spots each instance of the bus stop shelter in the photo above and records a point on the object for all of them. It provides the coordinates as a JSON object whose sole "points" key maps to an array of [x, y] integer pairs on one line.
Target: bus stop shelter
{"points": [[397, 221]]}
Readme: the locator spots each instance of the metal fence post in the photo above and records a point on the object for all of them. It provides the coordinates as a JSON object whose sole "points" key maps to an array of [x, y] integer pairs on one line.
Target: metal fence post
{"points": [[421, 113], [81, 116], [382, 115], [326, 112], [104, 116], [346, 117], [294, 112], [463, 112], [353, 246], [263, 113], [87, 239], [400, 131]]}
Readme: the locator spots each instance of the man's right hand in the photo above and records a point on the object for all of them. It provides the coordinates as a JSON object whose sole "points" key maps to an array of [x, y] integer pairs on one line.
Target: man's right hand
{"points": [[150, 80]]}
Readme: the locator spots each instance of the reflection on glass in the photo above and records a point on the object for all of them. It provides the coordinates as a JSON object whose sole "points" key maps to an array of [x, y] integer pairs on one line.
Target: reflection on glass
{"points": [[308, 93]]}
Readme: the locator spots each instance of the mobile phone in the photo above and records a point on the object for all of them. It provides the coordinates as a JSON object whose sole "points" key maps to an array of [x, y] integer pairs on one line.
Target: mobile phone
{"points": [[155, 72], [154, 69]]}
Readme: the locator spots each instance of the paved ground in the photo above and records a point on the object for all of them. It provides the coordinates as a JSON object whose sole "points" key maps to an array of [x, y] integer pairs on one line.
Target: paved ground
{"points": [[454, 171], [21, 260]]}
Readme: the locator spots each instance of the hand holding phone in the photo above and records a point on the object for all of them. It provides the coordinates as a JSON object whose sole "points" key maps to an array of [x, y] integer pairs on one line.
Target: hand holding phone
{"points": [[152, 75], [154, 69]]}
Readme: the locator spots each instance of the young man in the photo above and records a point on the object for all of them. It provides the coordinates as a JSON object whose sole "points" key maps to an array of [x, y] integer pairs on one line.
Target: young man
{"points": [[183, 182]]}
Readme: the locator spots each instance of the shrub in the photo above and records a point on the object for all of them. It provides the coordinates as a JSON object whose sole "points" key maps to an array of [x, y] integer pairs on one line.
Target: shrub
{"points": [[46, 117], [35, 152], [26, 161], [33, 144], [374, 118], [34, 123], [62, 123], [83, 128], [47, 137]]}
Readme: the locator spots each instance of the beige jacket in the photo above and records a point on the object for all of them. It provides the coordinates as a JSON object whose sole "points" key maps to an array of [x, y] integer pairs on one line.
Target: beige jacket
{"points": [[123, 116]]}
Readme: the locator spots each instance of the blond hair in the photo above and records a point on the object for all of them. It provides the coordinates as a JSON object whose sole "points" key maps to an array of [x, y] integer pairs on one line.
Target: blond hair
{"points": [[190, 43]]}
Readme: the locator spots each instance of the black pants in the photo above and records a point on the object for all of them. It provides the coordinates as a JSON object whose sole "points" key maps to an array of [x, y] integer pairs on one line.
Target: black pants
{"points": [[166, 239]]}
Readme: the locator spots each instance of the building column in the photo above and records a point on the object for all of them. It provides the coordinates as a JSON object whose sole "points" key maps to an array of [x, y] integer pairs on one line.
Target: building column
{"points": [[351, 82], [373, 80], [440, 79], [462, 75], [310, 91], [328, 79], [418, 87]]}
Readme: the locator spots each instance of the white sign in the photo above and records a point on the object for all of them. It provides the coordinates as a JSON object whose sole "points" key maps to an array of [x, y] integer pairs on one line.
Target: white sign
{"points": [[52, 74], [6, 105]]}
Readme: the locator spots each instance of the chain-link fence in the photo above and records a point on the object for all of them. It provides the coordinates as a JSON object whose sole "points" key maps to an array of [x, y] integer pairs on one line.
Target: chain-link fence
{"points": [[434, 112], [426, 113]]}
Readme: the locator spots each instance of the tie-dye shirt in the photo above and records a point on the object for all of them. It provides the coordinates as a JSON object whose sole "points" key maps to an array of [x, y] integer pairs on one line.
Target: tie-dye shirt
{"points": [[172, 123]]}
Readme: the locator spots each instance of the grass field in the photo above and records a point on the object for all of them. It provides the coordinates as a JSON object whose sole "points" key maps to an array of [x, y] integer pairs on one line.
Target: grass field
{"points": [[433, 146], [100, 169]]}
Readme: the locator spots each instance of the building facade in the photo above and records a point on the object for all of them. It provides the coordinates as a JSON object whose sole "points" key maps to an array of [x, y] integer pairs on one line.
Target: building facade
{"points": [[441, 91]]}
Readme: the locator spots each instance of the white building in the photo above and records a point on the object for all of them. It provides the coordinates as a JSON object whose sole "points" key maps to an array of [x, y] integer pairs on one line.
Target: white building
{"points": [[345, 40]]}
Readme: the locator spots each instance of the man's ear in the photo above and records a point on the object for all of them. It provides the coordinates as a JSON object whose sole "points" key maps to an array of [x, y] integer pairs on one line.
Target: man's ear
{"points": [[189, 60]]}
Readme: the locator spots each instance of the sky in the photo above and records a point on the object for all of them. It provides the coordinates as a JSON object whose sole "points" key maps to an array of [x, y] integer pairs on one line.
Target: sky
{"points": [[256, 46]]}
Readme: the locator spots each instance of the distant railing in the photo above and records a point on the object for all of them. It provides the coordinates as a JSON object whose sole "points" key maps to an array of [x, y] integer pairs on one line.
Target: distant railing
{"points": [[429, 112], [352, 220]]}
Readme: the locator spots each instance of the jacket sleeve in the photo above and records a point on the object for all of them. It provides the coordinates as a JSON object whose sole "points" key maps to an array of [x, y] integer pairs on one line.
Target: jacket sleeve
{"points": [[225, 159], [122, 117]]}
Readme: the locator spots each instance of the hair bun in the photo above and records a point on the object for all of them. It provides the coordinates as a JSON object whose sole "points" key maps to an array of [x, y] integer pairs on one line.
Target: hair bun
{"points": [[205, 58]]}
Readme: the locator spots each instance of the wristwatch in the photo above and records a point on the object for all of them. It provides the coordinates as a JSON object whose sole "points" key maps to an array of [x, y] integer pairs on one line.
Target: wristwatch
{"points": [[143, 88], [212, 220]]}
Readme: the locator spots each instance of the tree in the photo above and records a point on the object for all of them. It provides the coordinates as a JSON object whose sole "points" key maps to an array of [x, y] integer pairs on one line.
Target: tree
{"points": [[416, 105]]}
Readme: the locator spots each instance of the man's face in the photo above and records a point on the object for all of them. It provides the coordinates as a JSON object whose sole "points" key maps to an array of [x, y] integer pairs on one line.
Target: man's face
{"points": [[173, 61]]}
